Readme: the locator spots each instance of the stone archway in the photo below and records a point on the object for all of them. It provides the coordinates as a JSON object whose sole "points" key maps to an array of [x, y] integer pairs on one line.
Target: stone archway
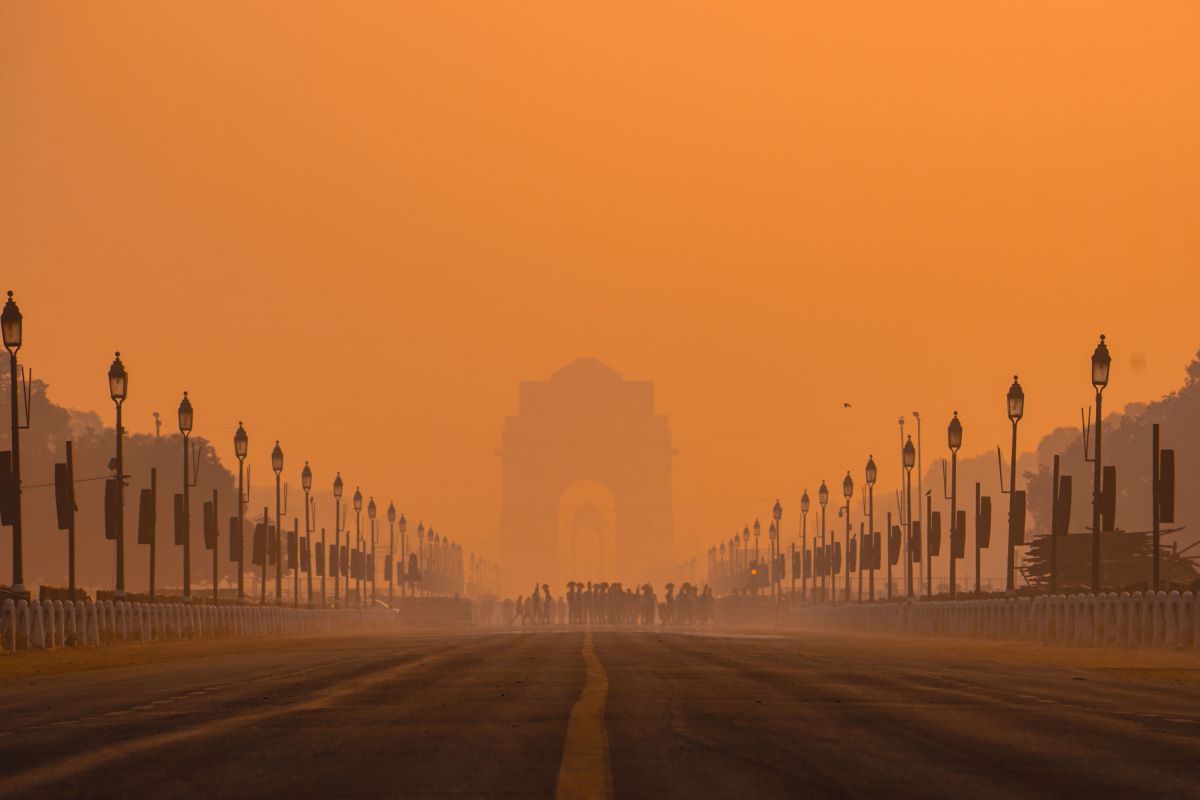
{"points": [[586, 428], [587, 528]]}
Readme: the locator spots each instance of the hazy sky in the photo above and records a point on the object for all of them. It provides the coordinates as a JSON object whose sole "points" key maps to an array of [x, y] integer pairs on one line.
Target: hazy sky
{"points": [[357, 226]]}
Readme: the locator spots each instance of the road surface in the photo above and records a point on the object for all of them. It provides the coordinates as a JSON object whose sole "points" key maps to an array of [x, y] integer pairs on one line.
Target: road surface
{"points": [[625, 712]]}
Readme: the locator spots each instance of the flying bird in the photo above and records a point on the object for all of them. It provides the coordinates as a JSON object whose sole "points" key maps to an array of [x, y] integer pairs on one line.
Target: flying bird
{"points": [[845, 405]]}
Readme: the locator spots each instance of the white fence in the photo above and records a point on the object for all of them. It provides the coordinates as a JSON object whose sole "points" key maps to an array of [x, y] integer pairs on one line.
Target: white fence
{"points": [[1156, 619], [48, 624]]}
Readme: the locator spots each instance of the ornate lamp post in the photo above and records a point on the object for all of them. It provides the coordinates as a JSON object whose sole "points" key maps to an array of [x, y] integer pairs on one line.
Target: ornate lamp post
{"points": [[1016, 410], [1101, 365], [422, 564], [185, 428], [954, 439], [306, 486], [277, 467], [371, 512], [403, 552], [335, 563], [909, 457], [241, 447], [777, 517], [11, 324], [391, 517], [871, 474], [358, 587], [823, 500], [847, 492], [118, 389], [773, 538], [804, 506]]}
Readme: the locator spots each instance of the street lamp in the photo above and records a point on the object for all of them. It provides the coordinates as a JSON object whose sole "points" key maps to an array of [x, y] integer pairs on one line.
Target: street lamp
{"points": [[11, 324], [954, 434], [433, 553], [118, 389], [872, 475], [777, 516], [422, 562], [804, 506], [391, 517], [1101, 364], [823, 500], [757, 533], [403, 551], [277, 467], [306, 486], [371, 512], [185, 428], [1016, 410], [336, 563], [773, 538], [847, 492], [357, 547], [909, 459], [241, 447]]}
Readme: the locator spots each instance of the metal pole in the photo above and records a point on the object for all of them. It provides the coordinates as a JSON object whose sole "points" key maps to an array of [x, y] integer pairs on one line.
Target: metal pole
{"points": [[241, 530], [886, 541], [922, 522], [953, 518], [71, 529], [18, 582], [1153, 500], [1010, 577], [266, 552], [871, 534], [908, 508], [803, 555], [1096, 501], [296, 563], [1053, 534], [216, 546], [861, 556], [928, 544], [278, 547], [154, 529], [120, 588], [824, 568], [337, 550], [846, 594], [187, 525], [978, 549], [308, 532]]}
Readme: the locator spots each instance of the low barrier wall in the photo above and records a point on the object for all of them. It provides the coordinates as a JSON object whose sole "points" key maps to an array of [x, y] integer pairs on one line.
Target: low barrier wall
{"points": [[1155, 619], [57, 623]]}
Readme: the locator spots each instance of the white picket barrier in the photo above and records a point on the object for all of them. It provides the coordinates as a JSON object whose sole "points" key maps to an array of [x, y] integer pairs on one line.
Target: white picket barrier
{"points": [[1152, 620], [50, 624]]}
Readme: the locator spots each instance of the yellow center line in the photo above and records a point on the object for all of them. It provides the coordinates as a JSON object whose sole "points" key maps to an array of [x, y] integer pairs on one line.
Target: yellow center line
{"points": [[586, 768]]}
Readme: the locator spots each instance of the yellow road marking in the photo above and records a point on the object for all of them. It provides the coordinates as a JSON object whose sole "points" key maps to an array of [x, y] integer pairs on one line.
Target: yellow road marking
{"points": [[586, 768]]}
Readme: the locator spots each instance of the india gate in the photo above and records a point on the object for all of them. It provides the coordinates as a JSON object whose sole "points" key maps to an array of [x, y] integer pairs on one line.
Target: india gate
{"points": [[586, 481]]}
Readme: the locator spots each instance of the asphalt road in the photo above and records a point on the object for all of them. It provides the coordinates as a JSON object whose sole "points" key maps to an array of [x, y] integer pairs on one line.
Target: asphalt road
{"points": [[634, 713]]}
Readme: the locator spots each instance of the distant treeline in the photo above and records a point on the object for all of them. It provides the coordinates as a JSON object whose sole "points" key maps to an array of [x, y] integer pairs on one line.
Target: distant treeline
{"points": [[45, 547]]}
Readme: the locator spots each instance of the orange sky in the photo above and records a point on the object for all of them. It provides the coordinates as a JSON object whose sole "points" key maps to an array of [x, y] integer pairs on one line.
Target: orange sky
{"points": [[357, 226]]}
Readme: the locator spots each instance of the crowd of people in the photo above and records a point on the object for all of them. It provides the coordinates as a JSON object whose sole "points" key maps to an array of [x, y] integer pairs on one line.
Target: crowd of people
{"points": [[607, 604]]}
